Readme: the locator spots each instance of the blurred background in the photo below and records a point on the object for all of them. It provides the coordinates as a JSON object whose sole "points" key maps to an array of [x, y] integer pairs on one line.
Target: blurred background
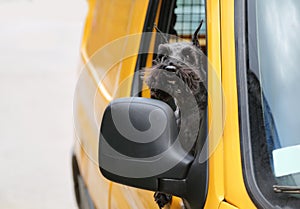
{"points": [[39, 59]]}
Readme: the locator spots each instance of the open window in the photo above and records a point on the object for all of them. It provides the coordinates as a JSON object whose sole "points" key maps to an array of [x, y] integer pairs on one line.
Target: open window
{"points": [[182, 20], [178, 20]]}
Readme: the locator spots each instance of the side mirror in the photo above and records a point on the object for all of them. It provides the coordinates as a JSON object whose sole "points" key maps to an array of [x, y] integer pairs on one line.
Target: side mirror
{"points": [[139, 146]]}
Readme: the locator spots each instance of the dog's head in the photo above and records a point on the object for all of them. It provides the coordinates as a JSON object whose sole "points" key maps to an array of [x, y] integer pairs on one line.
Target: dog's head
{"points": [[175, 62]]}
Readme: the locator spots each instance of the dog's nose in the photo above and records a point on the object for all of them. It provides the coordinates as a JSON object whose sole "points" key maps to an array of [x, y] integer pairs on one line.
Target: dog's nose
{"points": [[170, 68]]}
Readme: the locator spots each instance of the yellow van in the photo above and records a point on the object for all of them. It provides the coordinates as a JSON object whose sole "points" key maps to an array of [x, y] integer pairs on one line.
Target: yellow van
{"points": [[247, 150]]}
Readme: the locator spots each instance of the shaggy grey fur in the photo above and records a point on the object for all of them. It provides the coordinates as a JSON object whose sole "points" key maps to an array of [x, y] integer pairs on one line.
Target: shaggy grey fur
{"points": [[178, 72], [175, 61]]}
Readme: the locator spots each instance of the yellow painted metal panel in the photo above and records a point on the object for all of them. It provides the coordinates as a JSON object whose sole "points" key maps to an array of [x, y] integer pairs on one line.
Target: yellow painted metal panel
{"points": [[107, 29], [131, 198], [114, 19], [216, 181], [225, 205], [104, 77], [235, 191]]}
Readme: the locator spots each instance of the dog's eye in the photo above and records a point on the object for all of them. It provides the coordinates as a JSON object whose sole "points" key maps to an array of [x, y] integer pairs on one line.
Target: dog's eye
{"points": [[188, 55], [186, 52], [161, 57]]}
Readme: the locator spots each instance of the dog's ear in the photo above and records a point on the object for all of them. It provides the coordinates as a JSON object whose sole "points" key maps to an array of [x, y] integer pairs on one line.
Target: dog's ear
{"points": [[195, 36], [161, 34]]}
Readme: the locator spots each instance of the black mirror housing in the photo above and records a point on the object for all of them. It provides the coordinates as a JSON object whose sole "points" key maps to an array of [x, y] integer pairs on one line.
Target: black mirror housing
{"points": [[139, 147], [135, 143]]}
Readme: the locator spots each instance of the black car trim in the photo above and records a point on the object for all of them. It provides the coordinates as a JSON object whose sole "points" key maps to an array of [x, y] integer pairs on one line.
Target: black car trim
{"points": [[244, 123], [145, 44]]}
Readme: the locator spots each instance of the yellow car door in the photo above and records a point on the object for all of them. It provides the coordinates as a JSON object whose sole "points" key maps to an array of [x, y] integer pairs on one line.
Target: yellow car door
{"points": [[113, 50], [109, 54]]}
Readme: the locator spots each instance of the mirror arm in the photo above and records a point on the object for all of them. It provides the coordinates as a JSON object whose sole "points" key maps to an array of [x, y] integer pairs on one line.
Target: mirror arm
{"points": [[175, 187]]}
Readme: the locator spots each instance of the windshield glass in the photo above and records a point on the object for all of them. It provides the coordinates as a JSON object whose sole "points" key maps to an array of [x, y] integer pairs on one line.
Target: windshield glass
{"points": [[273, 78], [278, 48], [278, 30], [268, 78]]}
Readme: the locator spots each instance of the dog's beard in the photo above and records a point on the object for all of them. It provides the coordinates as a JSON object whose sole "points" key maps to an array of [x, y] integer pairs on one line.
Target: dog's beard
{"points": [[180, 87]]}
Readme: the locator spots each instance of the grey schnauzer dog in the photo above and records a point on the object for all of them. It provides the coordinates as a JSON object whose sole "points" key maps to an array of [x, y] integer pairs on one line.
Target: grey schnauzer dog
{"points": [[177, 77]]}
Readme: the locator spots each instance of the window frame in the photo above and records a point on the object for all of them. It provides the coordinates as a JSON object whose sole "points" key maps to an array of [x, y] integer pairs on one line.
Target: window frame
{"points": [[241, 31], [141, 61]]}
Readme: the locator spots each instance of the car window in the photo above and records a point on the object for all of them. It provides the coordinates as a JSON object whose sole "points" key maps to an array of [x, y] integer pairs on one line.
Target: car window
{"points": [[278, 71], [189, 13], [273, 83]]}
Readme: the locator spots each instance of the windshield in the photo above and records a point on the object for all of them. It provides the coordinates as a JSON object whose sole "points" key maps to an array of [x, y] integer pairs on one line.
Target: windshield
{"points": [[278, 32], [274, 83]]}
